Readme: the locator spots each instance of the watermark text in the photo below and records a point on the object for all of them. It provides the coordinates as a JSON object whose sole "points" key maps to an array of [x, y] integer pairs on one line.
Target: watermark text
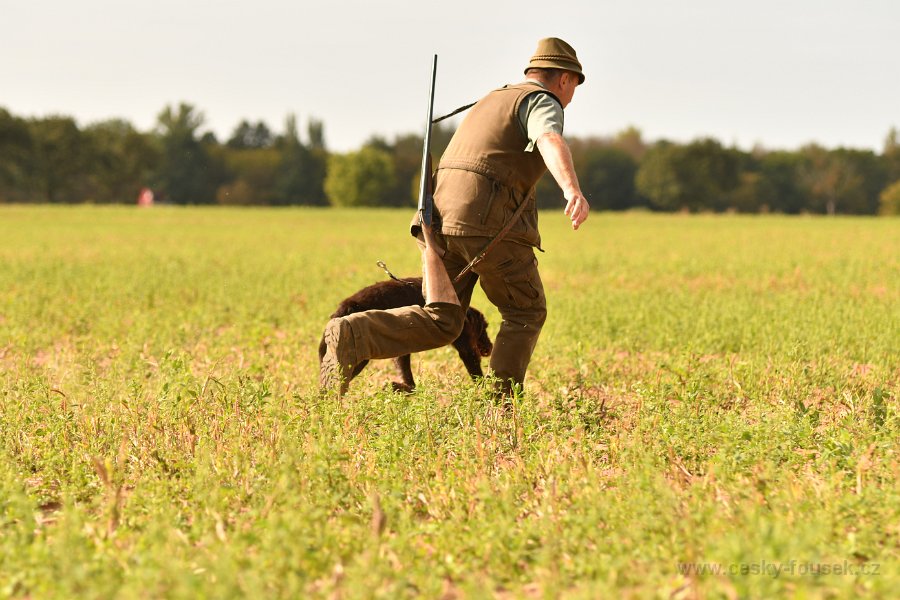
{"points": [[777, 569]]}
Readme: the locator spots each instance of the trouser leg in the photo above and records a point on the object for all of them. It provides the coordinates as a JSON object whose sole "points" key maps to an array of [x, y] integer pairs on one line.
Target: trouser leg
{"points": [[510, 279], [399, 331], [395, 332]]}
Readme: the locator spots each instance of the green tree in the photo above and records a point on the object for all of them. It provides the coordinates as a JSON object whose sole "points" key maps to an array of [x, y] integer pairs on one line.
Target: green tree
{"points": [[748, 196], [841, 180], [406, 154], [890, 199], [891, 155], [406, 151], [607, 178], [247, 135], [300, 177], [547, 195], [59, 163], [779, 186], [187, 174], [251, 176], [698, 176], [873, 178], [630, 140], [122, 160], [819, 177], [363, 178], [657, 177], [315, 131], [15, 154]]}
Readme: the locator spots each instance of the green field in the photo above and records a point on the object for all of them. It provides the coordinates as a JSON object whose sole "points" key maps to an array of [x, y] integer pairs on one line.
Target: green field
{"points": [[712, 411]]}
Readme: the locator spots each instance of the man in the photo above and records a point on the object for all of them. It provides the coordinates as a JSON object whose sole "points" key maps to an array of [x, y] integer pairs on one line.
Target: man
{"points": [[487, 172]]}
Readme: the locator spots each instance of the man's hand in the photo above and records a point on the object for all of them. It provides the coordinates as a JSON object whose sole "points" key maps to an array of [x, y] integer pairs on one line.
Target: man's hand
{"points": [[577, 208], [558, 159]]}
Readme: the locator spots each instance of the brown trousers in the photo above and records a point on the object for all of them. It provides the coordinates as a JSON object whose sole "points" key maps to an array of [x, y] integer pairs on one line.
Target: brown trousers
{"points": [[510, 280]]}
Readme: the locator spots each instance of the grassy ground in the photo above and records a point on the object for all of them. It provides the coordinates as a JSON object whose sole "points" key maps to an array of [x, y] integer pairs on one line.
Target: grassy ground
{"points": [[712, 412]]}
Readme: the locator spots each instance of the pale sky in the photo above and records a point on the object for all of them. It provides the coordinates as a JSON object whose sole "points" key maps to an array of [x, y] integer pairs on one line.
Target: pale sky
{"points": [[775, 73]]}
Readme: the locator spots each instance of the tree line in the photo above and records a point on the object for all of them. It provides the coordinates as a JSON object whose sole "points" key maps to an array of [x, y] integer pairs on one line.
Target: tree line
{"points": [[53, 160]]}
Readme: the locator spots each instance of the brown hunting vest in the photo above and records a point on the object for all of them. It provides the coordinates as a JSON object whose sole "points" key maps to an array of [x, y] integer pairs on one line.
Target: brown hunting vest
{"points": [[485, 172]]}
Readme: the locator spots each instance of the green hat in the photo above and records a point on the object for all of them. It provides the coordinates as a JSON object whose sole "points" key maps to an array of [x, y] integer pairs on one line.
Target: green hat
{"points": [[553, 53]]}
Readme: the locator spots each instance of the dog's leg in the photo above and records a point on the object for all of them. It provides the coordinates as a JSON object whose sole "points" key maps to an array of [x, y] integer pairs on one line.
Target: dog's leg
{"points": [[468, 356], [358, 369], [403, 365]]}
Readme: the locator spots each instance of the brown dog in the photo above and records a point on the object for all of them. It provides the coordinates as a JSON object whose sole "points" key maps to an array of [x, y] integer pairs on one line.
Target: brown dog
{"points": [[472, 343]]}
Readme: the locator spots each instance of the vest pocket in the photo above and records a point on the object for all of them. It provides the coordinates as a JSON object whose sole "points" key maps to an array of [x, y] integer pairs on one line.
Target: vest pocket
{"points": [[495, 185]]}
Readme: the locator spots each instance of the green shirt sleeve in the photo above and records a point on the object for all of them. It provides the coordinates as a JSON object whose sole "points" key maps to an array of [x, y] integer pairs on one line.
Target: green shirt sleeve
{"points": [[540, 114]]}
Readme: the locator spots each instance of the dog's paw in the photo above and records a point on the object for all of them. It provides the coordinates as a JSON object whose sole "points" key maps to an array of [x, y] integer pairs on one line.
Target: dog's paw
{"points": [[399, 386]]}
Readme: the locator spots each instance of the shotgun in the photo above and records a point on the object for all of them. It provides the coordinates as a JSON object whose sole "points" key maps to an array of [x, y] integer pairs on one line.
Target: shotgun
{"points": [[426, 191]]}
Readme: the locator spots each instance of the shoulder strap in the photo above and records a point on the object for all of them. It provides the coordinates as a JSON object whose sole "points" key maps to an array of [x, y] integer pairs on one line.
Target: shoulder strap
{"points": [[455, 112], [497, 239], [468, 106]]}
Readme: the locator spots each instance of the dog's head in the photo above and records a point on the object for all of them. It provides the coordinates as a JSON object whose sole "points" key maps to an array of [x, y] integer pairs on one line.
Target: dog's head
{"points": [[476, 331]]}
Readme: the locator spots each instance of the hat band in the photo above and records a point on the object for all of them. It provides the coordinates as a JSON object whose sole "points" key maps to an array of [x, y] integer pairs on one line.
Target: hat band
{"points": [[561, 57]]}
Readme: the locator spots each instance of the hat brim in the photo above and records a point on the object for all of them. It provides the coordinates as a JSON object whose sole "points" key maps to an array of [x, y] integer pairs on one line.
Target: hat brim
{"points": [[555, 64]]}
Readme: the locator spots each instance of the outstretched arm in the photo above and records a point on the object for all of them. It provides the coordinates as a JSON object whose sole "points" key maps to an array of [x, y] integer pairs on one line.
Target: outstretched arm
{"points": [[558, 159]]}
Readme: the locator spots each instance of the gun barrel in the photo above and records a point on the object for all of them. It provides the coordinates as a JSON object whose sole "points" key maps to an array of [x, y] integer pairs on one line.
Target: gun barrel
{"points": [[425, 192]]}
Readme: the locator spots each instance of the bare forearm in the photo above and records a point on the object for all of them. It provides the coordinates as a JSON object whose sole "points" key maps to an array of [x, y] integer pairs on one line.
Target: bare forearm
{"points": [[558, 159]]}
